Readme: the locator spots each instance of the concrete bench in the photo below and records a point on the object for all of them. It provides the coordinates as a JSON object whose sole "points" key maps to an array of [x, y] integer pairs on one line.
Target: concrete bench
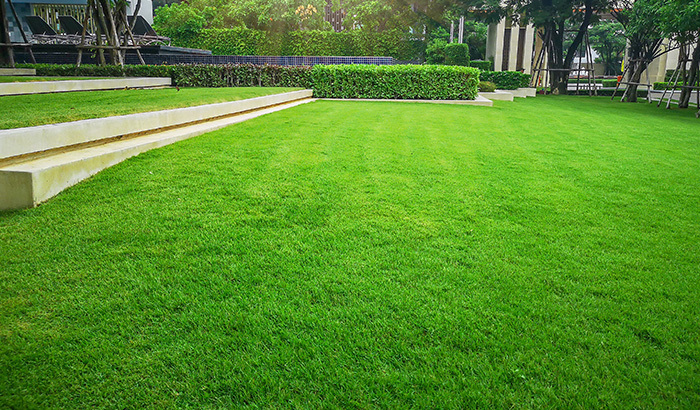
{"points": [[17, 71], [37, 163], [42, 87]]}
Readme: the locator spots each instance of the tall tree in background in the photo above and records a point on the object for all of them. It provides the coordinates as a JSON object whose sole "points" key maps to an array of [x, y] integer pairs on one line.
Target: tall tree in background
{"points": [[680, 20], [608, 40], [641, 21], [6, 54], [553, 16]]}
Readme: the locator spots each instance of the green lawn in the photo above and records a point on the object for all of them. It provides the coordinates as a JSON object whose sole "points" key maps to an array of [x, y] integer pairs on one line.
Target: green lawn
{"points": [[27, 78], [542, 253], [38, 109]]}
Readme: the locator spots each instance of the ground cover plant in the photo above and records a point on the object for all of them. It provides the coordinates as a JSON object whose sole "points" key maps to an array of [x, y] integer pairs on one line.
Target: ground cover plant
{"points": [[39, 109], [541, 253]]}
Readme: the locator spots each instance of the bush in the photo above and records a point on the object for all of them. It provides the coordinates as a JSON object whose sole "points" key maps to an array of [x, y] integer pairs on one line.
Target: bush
{"points": [[457, 54], [435, 53], [487, 86], [506, 80], [609, 83], [395, 82], [243, 41], [663, 85], [193, 75], [483, 65]]}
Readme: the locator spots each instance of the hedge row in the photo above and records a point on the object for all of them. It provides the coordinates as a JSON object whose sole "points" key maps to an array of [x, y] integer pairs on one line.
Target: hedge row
{"points": [[430, 82], [484, 65], [664, 85], [242, 41], [330, 81], [192, 75], [506, 80]]}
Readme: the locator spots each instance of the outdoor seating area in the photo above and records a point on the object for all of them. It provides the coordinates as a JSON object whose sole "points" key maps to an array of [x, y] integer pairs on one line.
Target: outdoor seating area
{"points": [[71, 32]]}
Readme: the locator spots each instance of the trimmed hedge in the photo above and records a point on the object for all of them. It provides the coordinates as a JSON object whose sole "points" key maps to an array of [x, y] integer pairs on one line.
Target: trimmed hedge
{"points": [[457, 54], [192, 75], [243, 41], [483, 65], [664, 85], [430, 82], [338, 81], [506, 80], [487, 87]]}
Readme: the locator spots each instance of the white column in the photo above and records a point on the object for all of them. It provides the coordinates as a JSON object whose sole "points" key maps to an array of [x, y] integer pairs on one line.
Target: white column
{"points": [[494, 43], [513, 53], [529, 44]]}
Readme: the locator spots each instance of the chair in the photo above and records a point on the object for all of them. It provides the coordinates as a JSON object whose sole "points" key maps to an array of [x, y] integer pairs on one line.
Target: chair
{"points": [[144, 33], [39, 27], [71, 26], [141, 27]]}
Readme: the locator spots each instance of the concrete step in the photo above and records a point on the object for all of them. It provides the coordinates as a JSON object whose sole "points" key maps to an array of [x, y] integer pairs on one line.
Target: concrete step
{"points": [[499, 95], [26, 181], [524, 92], [43, 138], [42, 87], [17, 71]]}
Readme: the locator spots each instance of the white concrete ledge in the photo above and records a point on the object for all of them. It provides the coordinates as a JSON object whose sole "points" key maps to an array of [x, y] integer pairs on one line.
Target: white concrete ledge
{"points": [[674, 95], [499, 95], [27, 182], [479, 101], [17, 71], [42, 87], [22, 141], [524, 92]]}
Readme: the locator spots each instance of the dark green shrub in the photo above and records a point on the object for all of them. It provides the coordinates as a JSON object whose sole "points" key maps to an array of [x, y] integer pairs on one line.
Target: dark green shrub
{"points": [[395, 82], [506, 80], [243, 41], [487, 86], [435, 53], [457, 54], [663, 85], [609, 83], [193, 75], [484, 65]]}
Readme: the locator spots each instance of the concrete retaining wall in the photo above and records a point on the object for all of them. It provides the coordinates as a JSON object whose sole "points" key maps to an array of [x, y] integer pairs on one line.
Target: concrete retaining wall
{"points": [[22, 141], [26, 181], [41, 87], [17, 71]]}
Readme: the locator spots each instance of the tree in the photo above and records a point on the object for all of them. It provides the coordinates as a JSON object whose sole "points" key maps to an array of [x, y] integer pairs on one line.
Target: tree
{"points": [[608, 40], [552, 17], [6, 54], [680, 20], [644, 36]]}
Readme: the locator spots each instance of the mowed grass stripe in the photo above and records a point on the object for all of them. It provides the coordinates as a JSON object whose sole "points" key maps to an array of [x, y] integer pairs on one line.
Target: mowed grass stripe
{"points": [[18, 111], [344, 254]]}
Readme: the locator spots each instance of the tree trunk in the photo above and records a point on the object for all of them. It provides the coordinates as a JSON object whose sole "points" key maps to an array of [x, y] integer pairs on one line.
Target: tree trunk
{"points": [[7, 56], [684, 99], [557, 59], [631, 94]]}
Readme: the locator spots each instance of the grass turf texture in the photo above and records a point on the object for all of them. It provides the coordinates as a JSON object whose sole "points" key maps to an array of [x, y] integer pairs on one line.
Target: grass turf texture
{"points": [[27, 79], [39, 109], [359, 254]]}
